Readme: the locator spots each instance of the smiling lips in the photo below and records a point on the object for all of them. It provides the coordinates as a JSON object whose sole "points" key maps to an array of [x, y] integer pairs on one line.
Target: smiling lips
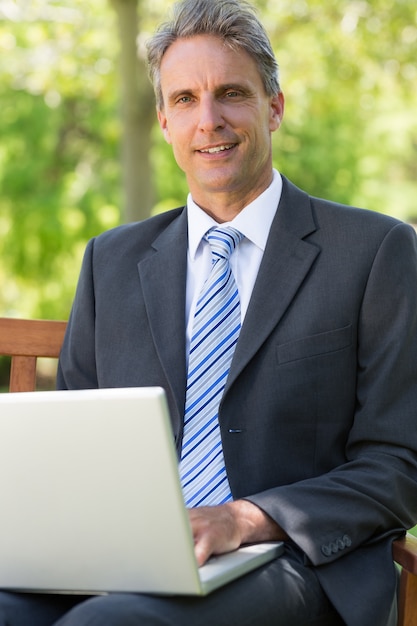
{"points": [[217, 149]]}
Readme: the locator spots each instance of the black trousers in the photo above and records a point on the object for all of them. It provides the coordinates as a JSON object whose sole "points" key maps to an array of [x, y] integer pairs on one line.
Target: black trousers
{"points": [[282, 593]]}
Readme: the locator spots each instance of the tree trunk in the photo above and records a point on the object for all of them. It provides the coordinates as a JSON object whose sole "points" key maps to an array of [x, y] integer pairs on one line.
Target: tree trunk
{"points": [[138, 116]]}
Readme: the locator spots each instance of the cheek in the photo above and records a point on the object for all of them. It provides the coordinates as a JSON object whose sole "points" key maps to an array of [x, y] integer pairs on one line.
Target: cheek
{"points": [[179, 136], [263, 136], [179, 152]]}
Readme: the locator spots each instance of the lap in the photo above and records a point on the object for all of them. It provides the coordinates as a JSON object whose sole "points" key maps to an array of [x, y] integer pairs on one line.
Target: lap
{"points": [[24, 609], [282, 593]]}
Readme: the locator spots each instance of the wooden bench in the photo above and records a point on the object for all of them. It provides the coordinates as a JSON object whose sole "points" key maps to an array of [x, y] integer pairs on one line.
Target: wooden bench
{"points": [[26, 340]]}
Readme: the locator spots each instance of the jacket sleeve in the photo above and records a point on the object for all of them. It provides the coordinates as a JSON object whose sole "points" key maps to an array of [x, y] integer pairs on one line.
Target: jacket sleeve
{"points": [[77, 363]]}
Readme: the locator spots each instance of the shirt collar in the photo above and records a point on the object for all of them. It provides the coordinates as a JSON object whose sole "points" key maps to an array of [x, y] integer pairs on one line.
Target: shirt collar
{"points": [[254, 221]]}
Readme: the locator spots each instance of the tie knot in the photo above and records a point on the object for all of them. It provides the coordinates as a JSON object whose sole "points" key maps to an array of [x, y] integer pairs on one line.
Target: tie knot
{"points": [[223, 241]]}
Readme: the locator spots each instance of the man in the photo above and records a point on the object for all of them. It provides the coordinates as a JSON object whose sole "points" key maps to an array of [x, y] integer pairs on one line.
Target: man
{"points": [[317, 415]]}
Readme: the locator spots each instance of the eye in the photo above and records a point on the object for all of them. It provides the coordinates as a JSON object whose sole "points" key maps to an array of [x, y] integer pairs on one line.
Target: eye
{"points": [[232, 94], [183, 100]]}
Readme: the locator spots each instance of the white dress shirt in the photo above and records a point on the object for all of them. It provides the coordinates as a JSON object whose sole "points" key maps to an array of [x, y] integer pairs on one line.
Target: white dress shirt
{"points": [[254, 222]]}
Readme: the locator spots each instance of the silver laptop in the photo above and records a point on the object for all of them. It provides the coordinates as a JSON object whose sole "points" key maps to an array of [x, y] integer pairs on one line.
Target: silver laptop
{"points": [[91, 499]]}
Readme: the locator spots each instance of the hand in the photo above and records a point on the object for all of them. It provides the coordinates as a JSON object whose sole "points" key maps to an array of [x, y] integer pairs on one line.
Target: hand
{"points": [[219, 529]]}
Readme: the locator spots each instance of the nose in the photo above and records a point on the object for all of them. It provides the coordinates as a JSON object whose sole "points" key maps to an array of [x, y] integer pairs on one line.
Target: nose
{"points": [[210, 114]]}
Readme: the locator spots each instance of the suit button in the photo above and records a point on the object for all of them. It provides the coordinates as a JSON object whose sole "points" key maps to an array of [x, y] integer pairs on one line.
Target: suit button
{"points": [[341, 544], [326, 550]]}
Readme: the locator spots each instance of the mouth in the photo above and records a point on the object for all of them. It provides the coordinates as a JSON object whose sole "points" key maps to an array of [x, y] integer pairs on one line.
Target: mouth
{"points": [[217, 149]]}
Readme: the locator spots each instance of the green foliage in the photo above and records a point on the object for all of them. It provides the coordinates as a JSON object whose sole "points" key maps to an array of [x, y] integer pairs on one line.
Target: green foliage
{"points": [[348, 71], [59, 166], [349, 74]]}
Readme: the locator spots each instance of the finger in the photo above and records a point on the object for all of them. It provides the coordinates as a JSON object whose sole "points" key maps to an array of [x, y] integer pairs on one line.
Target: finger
{"points": [[202, 550]]}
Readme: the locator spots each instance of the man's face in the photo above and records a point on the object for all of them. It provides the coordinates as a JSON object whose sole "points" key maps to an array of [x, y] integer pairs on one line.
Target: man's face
{"points": [[218, 119]]}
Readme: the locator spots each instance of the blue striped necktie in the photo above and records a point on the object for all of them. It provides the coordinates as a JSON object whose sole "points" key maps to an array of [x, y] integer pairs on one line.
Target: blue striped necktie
{"points": [[215, 332]]}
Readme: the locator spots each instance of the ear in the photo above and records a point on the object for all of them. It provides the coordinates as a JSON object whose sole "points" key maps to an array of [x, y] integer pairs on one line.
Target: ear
{"points": [[163, 123], [276, 112]]}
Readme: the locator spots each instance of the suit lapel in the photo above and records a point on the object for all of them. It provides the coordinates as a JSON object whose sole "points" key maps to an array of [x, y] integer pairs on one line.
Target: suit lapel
{"points": [[286, 261], [163, 281]]}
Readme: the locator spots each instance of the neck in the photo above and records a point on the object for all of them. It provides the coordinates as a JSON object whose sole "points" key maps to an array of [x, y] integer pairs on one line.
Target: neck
{"points": [[222, 212], [225, 206]]}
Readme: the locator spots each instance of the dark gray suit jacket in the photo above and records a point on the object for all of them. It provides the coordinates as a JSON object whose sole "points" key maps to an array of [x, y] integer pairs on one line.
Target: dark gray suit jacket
{"points": [[318, 418]]}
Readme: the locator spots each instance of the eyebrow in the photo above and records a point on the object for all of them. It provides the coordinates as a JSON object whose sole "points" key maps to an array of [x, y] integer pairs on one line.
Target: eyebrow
{"points": [[218, 90]]}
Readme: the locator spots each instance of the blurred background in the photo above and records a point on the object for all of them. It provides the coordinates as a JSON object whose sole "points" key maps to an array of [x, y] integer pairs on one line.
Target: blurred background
{"points": [[80, 151]]}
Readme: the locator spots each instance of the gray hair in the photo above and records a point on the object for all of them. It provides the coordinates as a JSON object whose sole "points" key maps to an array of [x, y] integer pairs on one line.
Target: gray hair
{"points": [[234, 21]]}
